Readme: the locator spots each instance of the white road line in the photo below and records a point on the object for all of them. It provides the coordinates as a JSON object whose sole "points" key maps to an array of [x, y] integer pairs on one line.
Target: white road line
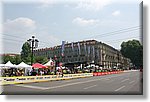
{"points": [[90, 87], [107, 79], [120, 88], [28, 86], [68, 81], [131, 82], [69, 84], [124, 80], [75, 83]]}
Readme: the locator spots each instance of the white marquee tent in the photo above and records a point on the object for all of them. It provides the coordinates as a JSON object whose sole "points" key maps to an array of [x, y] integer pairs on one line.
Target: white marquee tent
{"points": [[49, 63], [24, 65], [9, 65], [27, 67]]}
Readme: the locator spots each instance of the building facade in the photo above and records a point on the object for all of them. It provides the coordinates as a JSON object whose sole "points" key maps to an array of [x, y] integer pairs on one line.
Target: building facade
{"points": [[85, 53]]}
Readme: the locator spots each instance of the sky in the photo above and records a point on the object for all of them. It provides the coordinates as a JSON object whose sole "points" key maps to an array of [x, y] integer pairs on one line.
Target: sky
{"points": [[54, 21]]}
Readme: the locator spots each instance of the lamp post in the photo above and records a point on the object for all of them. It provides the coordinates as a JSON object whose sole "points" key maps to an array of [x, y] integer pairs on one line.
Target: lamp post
{"points": [[33, 44]]}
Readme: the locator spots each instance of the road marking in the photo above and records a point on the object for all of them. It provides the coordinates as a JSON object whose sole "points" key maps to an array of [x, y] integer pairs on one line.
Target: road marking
{"points": [[75, 83], [69, 84], [107, 79], [120, 88], [124, 80], [90, 87], [33, 87], [69, 81], [131, 82]]}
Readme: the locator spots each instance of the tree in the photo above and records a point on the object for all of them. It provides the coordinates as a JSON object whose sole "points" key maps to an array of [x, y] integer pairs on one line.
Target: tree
{"points": [[7, 58], [40, 59], [133, 49], [17, 59], [26, 53], [14, 59]]}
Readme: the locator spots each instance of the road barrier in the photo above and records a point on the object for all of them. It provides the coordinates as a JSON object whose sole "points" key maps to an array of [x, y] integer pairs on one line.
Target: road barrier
{"points": [[106, 73], [29, 79]]}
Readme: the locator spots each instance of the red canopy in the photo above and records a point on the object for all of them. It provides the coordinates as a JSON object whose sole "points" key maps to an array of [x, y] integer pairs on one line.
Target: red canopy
{"points": [[38, 65]]}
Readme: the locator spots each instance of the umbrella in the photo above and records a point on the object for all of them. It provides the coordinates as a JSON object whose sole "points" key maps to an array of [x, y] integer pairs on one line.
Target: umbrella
{"points": [[38, 65]]}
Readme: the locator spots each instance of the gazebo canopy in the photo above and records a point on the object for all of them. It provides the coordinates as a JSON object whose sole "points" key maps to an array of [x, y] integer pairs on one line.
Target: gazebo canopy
{"points": [[38, 65], [49, 63], [24, 65], [2, 65], [9, 64]]}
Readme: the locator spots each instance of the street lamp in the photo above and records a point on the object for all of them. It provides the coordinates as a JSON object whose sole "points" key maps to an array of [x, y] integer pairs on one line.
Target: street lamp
{"points": [[33, 44]]}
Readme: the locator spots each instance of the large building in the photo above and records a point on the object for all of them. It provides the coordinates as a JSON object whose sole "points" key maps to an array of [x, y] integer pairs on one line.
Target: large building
{"points": [[85, 53]]}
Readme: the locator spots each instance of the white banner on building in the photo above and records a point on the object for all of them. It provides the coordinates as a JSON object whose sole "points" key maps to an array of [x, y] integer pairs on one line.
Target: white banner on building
{"points": [[85, 49], [79, 48], [89, 48], [72, 46], [93, 52], [97, 54], [62, 48]]}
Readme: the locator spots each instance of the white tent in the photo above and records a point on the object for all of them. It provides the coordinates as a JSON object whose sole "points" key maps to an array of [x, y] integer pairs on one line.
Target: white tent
{"points": [[24, 65], [27, 67], [49, 63], [9, 65], [2, 65]]}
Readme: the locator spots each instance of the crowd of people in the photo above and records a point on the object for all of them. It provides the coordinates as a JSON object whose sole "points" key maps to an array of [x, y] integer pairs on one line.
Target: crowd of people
{"points": [[50, 71], [12, 72]]}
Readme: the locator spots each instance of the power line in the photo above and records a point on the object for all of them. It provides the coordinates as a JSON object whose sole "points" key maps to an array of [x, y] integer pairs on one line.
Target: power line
{"points": [[25, 38], [101, 35], [12, 40], [122, 39], [116, 32]]}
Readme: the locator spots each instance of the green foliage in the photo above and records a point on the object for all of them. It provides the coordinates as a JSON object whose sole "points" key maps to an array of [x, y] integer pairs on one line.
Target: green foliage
{"points": [[18, 59], [26, 53], [40, 59], [7, 58], [134, 50], [14, 59]]}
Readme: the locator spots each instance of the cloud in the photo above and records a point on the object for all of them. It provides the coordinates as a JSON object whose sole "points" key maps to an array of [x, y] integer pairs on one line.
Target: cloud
{"points": [[19, 25], [90, 5], [84, 22], [93, 5], [116, 13], [47, 3]]}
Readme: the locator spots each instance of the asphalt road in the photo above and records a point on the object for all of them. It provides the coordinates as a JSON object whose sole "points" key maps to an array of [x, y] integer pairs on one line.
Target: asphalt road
{"points": [[126, 83]]}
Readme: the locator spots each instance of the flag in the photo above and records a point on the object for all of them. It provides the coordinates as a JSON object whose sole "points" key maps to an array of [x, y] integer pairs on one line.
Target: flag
{"points": [[62, 48], [93, 52], [98, 54], [88, 50], [72, 46], [85, 48], [79, 48]]}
